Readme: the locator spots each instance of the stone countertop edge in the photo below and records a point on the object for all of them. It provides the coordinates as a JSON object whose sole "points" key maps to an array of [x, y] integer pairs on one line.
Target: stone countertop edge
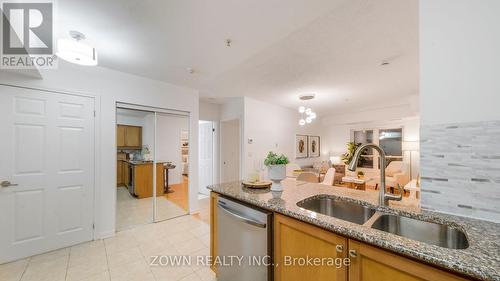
{"points": [[481, 260]]}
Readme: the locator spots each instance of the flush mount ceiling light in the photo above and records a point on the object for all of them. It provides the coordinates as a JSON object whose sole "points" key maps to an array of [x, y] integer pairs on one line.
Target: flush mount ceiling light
{"points": [[306, 113], [75, 51]]}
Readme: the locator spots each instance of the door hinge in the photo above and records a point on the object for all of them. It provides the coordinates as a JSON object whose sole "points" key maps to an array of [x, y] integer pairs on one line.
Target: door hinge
{"points": [[94, 113], [93, 226], [213, 129]]}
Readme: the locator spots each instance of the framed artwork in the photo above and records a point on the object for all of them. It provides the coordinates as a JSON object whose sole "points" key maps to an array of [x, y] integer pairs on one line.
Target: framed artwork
{"points": [[301, 146], [313, 146]]}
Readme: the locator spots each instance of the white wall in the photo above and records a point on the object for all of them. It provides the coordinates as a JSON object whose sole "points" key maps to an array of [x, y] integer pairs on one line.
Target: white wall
{"points": [[108, 87], [209, 111], [460, 94], [459, 59], [271, 128], [168, 141]]}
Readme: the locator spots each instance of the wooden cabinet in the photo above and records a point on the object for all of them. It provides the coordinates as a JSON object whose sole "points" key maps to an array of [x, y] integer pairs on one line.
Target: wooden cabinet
{"points": [[213, 228], [143, 180], [120, 135], [119, 173], [129, 136], [126, 173], [369, 263], [295, 240]]}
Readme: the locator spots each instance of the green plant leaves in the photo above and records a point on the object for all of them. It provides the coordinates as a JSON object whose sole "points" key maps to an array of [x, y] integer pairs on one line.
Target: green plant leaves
{"points": [[275, 159]]}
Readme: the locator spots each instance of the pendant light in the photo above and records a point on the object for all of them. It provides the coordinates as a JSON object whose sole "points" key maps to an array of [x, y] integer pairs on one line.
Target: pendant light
{"points": [[306, 113]]}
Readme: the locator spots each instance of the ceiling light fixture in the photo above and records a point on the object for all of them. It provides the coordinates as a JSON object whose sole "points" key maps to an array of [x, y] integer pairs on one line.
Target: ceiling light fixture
{"points": [[74, 51], [306, 113]]}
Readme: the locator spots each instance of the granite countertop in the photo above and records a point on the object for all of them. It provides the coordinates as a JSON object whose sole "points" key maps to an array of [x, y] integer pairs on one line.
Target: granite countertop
{"points": [[480, 260]]}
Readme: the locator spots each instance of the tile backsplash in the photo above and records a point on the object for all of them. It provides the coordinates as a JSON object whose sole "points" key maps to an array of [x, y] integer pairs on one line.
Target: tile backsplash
{"points": [[460, 169]]}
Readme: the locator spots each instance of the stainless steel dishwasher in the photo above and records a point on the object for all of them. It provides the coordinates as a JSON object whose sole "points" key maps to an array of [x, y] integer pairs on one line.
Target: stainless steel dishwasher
{"points": [[244, 247]]}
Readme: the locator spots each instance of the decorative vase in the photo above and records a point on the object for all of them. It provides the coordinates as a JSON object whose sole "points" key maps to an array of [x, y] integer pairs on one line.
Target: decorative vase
{"points": [[276, 174]]}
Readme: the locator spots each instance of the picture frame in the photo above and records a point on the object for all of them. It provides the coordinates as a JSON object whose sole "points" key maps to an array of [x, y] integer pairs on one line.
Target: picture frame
{"points": [[301, 146], [313, 146]]}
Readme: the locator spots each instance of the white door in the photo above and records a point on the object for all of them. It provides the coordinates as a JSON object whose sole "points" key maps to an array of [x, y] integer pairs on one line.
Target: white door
{"points": [[47, 151], [230, 150], [206, 159]]}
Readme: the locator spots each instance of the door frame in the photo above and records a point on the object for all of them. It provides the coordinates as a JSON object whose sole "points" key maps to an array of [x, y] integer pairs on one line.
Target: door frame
{"points": [[215, 150], [97, 149], [156, 111]]}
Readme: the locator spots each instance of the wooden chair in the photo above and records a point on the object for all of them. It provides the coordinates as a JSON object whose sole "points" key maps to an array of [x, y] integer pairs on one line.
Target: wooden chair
{"points": [[308, 177]]}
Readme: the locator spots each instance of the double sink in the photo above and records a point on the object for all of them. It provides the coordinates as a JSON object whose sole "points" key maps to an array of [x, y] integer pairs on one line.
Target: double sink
{"points": [[428, 232]]}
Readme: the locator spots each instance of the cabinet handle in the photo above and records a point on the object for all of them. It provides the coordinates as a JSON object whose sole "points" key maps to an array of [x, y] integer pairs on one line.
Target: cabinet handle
{"points": [[353, 254], [339, 248]]}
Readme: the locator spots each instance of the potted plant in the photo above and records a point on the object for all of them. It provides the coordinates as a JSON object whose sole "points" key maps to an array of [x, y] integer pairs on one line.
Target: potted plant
{"points": [[351, 149], [361, 174], [276, 165]]}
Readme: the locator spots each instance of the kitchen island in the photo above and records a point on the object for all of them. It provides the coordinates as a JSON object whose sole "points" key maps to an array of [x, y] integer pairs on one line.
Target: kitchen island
{"points": [[369, 249], [137, 176]]}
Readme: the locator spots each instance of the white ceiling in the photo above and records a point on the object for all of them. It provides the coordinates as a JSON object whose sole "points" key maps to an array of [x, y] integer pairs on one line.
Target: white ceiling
{"points": [[280, 48]]}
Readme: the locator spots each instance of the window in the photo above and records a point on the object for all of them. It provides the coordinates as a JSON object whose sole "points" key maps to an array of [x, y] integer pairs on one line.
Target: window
{"points": [[390, 140], [363, 137]]}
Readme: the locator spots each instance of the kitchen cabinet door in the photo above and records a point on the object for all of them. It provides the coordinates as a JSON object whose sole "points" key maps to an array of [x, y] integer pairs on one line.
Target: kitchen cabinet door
{"points": [[133, 136], [126, 173], [119, 173], [120, 135], [369, 263], [295, 241]]}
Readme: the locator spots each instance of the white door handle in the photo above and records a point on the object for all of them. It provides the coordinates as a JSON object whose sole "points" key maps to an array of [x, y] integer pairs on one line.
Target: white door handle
{"points": [[7, 184]]}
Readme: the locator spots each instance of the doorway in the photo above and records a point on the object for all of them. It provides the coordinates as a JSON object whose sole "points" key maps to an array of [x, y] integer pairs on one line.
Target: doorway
{"points": [[230, 150], [207, 152], [152, 165]]}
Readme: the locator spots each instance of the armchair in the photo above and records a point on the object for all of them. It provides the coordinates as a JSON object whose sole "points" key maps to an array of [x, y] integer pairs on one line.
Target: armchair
{"points": [[394, 175]]}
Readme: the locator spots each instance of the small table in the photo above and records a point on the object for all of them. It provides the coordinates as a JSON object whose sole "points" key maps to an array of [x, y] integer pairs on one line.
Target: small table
{"points": [[355, 183], [166, 168], [413, 188]]}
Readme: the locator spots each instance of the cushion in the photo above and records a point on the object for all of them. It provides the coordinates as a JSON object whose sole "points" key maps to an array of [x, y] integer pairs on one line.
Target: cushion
{"points": [[393, 168]]}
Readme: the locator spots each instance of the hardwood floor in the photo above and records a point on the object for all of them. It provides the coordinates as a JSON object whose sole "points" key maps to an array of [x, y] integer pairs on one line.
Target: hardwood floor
{"points": [[180, 195]]}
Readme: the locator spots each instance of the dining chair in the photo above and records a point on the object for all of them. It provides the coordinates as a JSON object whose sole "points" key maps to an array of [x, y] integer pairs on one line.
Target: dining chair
{"points": [[308, 177], [329, 177]]}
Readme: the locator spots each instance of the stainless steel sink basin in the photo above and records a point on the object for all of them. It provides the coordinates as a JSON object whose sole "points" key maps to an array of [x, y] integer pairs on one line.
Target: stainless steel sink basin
{"points": [[427, 232], [340, 209]]}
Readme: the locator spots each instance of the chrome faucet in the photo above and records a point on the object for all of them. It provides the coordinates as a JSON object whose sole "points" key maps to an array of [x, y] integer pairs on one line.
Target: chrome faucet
{"points": [[383, 197]]}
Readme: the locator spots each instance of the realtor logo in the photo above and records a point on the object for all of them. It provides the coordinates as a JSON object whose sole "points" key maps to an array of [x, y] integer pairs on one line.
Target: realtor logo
{"points": [[27, 35]]}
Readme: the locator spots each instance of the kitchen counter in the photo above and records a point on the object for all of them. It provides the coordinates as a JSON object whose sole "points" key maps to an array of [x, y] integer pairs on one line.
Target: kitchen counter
{"points": [[480, 260], [141, 162]]}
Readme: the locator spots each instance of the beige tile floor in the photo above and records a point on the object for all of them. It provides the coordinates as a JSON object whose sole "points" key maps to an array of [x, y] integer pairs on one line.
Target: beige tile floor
{"points": [[131, 211], [124, 257]]}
